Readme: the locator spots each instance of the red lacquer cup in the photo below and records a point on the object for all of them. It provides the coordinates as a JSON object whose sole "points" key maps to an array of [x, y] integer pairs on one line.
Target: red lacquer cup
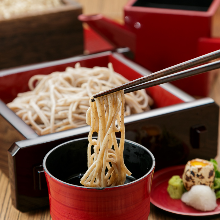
{"points": [[65, 165]]}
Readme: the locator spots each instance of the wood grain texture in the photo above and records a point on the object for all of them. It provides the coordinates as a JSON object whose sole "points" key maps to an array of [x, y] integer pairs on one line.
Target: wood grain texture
{"points": [[216, 24], [114, 10], [7, 211], [54, 34]]}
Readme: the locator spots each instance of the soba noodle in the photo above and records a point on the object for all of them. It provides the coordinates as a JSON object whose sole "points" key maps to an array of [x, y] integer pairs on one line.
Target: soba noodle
{"points": [[106, 164], [59, 101]]}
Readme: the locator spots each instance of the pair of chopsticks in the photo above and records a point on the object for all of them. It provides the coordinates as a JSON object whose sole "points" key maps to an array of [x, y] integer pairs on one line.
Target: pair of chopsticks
{"points": [[169, 74]]}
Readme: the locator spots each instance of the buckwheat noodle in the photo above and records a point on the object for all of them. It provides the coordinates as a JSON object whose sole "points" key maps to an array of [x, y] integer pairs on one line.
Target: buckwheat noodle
{"points": [[59, 101], [106, 164]]}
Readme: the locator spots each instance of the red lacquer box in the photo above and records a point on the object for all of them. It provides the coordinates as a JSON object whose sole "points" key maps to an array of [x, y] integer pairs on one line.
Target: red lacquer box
{"points": [[164, 33], [176, 129]]}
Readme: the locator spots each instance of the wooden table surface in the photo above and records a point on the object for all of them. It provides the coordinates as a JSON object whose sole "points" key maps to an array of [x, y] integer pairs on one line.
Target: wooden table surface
{"points": [[113, 9]]}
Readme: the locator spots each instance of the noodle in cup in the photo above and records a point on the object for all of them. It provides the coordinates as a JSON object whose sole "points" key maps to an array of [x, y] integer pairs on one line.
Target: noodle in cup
{"points": [[65, 165]]}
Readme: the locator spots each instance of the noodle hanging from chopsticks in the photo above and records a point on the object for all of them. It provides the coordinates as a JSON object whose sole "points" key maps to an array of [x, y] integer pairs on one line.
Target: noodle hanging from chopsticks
{"points": [[59, 101], [106, 164]]}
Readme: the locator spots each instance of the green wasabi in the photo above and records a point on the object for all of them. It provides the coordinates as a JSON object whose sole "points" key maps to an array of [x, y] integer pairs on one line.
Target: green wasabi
{"points": [[175, 187]]}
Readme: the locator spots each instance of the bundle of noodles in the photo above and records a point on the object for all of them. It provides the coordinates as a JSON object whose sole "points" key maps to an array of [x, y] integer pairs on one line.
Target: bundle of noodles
{"points": [[60, 100], [106, 164], [11, 8]]}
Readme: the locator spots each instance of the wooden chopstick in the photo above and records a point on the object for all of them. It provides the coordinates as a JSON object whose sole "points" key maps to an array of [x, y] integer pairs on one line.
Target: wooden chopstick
{"points": [[142, 82], [175, 76]]}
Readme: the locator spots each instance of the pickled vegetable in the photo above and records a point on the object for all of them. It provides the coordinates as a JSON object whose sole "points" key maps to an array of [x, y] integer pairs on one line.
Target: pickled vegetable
{"points": [[175, 187]]}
